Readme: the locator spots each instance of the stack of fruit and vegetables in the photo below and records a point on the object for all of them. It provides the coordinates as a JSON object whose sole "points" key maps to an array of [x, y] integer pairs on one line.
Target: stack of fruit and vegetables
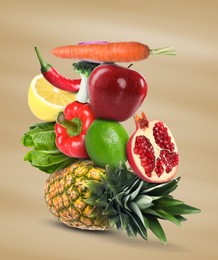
{"points": [[101, 177]]}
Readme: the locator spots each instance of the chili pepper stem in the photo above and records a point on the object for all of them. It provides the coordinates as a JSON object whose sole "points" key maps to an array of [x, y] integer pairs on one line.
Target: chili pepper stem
{"points": [[73, 127], [44, 66]]}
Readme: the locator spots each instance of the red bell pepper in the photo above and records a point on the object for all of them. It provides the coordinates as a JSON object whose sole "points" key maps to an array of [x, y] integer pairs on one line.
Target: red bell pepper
{"points": [[71, 128]]}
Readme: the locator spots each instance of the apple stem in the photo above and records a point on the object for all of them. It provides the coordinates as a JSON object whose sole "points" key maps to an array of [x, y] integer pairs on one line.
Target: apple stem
{"points": [[164, 51]]}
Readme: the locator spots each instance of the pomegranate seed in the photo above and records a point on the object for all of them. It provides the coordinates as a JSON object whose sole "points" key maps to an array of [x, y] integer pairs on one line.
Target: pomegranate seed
{"points": [[168, 168], [159, 170]]}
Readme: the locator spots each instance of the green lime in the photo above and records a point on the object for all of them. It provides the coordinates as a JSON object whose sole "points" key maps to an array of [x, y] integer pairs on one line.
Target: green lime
{"points": [[106, 142]]}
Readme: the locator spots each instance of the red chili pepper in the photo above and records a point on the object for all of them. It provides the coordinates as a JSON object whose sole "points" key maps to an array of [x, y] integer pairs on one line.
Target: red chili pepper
{"points": [[71, 128], [55, 78]]}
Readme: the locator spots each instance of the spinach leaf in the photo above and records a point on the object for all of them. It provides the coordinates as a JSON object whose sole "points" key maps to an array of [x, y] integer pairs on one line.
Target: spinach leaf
{"points": [[44, 154], [40, 136]]}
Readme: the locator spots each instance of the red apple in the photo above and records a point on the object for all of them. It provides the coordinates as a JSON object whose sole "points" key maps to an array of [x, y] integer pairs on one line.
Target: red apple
{"points": [[115, 92]]}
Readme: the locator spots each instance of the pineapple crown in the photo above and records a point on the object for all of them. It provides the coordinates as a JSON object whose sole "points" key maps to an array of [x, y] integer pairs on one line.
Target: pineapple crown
{"points": [[134, 205]]}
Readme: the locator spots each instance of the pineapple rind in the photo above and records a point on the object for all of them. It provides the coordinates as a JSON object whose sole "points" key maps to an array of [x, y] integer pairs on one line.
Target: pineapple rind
{"points": [[66, 192]]}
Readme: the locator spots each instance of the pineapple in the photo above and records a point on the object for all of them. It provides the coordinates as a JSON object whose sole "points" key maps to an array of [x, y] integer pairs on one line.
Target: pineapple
{"points": [[66, 193], [88, 197]]}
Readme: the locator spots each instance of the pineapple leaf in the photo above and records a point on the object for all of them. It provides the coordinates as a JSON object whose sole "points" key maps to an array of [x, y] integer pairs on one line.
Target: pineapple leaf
{"points": [[92, 200], [168, 216], [113, 220], [136, 223], [146, 222], [131, 231], [103, 200], [114, 188], [111, 173], [119, 198], [95, 212], [181, 209], [124, 219], [163, 188], [180, 218], [125, 202], [143, 201], [110, 210], [95, 186], [122, 177], [166, 201], [134, 205], [137, 190], [151, 212], [134, 208], [157, 230]]}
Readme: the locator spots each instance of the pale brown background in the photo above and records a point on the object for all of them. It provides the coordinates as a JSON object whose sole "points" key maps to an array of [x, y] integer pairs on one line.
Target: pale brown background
{"points": [[182, 92]]}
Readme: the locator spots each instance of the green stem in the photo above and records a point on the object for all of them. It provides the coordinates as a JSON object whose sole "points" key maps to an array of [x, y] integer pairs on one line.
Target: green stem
{"points": [[44, 66], [82, 95], [73, 127], [164, 51]]}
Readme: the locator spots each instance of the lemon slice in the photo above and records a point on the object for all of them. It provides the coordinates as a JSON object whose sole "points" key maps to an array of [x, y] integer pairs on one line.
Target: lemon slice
{"points": [[46, 101]]}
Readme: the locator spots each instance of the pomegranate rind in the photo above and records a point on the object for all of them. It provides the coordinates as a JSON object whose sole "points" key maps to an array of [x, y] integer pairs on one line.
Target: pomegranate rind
{"points": [[135, 162]]}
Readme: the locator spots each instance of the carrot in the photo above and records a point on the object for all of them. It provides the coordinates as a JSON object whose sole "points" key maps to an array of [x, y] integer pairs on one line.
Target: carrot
{"points": [[109, 52]]}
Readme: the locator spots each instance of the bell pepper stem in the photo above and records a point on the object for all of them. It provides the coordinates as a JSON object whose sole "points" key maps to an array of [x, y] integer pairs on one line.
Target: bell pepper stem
{"points": [[44, 66], [73, 127]]}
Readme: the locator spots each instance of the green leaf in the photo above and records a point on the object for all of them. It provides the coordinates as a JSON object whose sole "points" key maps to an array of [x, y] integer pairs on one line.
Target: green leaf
{"points": [[146, 222], [180, 218], [119, 198], [135, 221], [28, 156], [138, 184], [122, 177], [115, 189], [34, 137], [111, 173], [42, 159], [181, 209], [27, 140], [110, 210], [131, 230], [44, 141], [134, 208], [168, 216], [92, 200], [126, 201], [124, 219], [163, 188], [145, 185], [103, 200], [113, 220], [40, 127], [156, 228], [56, 167], [166, 201], [47, 162], [95, 212], [150, 211], [95, 186], [143, 201], [45, 154]]}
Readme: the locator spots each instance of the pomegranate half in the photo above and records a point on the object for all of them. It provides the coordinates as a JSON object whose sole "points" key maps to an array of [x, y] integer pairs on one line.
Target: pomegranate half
{"points": [[152, 152]]}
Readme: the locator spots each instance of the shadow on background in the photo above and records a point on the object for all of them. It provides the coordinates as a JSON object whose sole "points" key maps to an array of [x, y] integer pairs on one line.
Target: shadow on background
{"points": [[120, 237]]}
